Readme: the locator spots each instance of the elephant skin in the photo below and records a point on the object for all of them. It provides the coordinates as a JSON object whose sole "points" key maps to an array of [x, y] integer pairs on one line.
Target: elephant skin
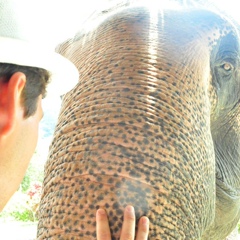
{"points": [[153, 122]]}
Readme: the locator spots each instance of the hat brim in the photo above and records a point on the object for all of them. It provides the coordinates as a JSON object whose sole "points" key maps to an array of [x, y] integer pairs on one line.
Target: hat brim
{"points": [[64, 74]]}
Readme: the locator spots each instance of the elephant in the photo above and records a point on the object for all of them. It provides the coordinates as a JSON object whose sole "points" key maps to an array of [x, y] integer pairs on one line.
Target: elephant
{"points": [[154, 122]]}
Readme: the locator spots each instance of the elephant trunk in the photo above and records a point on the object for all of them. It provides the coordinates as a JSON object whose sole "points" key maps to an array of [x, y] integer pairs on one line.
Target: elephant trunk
{"points": [[135, 130]]}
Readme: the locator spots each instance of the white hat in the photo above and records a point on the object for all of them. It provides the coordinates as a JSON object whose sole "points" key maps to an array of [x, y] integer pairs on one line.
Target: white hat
{"points": [[25, 40]]}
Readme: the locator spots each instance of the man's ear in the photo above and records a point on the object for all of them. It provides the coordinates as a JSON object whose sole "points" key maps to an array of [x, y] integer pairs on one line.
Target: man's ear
{"points": [[10, 102]]}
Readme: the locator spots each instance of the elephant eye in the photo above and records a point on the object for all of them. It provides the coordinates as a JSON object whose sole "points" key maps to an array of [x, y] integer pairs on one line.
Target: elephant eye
{"points": [[227, 67]]}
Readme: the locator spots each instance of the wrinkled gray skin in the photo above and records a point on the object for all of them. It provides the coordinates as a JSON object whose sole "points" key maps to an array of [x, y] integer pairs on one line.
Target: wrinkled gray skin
{"points": [[154, 122]]}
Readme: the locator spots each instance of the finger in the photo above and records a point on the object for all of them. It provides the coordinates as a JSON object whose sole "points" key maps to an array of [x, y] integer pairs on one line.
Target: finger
{"points": [[128, 229], [143, 229], [103, 230]]}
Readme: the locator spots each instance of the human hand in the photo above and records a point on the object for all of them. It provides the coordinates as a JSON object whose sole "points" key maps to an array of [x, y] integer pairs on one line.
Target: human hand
{"points": [[128, 228]]}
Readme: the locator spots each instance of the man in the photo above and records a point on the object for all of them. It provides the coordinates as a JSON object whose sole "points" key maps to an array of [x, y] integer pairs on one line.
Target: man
{"points": [[25, 71]]}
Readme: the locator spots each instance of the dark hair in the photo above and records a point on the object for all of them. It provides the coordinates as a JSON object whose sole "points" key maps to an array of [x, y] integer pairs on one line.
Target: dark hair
{"points": [[36, 83]]}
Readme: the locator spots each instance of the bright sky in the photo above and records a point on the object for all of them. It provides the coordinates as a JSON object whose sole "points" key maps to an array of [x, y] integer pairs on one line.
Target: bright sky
{"points": [[64, 12], [230, 6]]}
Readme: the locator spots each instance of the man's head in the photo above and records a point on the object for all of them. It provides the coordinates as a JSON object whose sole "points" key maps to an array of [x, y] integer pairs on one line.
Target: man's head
{"points": [[24, 54], [37, 80], [21, 91]]}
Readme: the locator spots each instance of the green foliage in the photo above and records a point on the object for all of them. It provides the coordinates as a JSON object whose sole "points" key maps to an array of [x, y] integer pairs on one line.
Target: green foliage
{"points": [[26, 183], [16, 207], [34, 173], [24, 204], [24, 216]]}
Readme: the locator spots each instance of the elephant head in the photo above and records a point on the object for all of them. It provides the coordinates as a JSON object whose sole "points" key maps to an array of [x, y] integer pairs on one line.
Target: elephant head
{"points": [[153, 122]]}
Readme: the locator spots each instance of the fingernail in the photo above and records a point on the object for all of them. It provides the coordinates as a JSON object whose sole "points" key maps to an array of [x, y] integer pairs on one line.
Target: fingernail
{"points": [[101, 212], [145, 221], [130, 209]]}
